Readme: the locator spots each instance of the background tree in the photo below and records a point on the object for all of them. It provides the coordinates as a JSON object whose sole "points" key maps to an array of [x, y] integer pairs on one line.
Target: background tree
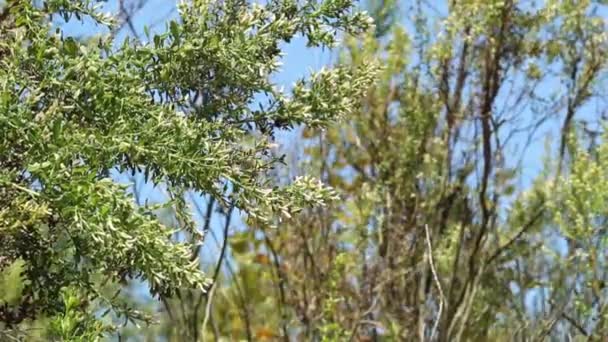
{"points": [[451, 225]]}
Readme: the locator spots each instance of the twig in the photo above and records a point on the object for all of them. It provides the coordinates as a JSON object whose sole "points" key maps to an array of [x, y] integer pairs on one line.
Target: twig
{"points": [[239, 290], [207, 215], [24, 189], [224, 244], [575, 324], [208, 310], [127, 17], [216, 272], [550, 324], [438, 283], [281, 284], [517, 236], [365, 321]]}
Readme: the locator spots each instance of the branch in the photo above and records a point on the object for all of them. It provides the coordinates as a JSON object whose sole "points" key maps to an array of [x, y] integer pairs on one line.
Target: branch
{"points": [[550, 324], [208, 310], [514, 239], [224, 244], [575, 324], [438, 283], [207, 215], [128, 16], [362, 321], [197, 250], [281, 284], [239, 292], [216, 272]]}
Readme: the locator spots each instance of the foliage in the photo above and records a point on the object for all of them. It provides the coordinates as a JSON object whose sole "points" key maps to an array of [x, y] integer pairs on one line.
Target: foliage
{"points": [[441, 143], [76, 112], [443, 220]]}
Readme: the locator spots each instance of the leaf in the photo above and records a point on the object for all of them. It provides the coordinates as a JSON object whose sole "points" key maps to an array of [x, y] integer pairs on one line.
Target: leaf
{"points": [[265, 334], [175, 32], [262, 259], [12, 282], [70, 46]]}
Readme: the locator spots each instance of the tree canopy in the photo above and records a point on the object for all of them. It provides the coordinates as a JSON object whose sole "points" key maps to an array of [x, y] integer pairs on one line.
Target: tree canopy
{"points": [[179, 109], [458, 148], [471, 188]]}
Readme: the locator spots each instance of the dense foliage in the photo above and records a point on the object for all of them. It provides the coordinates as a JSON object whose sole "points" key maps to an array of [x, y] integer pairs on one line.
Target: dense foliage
{"points": [[178, 110], [468, 175], [471, 183]]}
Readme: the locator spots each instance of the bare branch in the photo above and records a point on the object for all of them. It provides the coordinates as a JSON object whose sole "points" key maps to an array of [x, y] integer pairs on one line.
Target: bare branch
{"points": [[208, 310], [437, 281]]}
